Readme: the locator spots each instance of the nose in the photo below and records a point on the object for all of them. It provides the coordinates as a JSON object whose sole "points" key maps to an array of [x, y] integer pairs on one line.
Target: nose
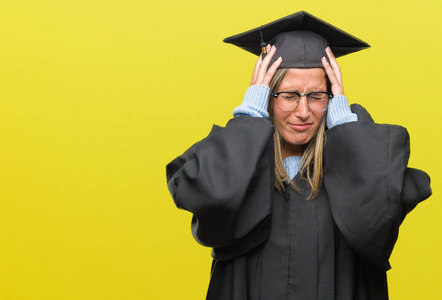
{"points": [[302, 111]]}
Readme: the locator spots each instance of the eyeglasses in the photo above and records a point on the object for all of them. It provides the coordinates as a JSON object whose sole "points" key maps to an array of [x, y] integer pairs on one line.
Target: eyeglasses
{"points": [[316, 101]]}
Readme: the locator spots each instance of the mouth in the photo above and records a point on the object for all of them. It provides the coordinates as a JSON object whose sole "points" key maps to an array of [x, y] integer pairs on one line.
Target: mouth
{"points": [[300, 127]]}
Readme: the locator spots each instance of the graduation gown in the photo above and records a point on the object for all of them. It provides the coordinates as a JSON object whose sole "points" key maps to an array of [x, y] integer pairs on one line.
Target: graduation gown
{"points": [[272, 245]]}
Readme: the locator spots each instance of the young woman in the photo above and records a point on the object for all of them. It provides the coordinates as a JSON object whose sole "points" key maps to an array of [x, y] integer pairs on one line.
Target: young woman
{"points": [[300, 196]]}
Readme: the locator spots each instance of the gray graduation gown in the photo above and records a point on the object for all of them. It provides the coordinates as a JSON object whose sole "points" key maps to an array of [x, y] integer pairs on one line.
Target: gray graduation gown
{"points": [[271, 245]]}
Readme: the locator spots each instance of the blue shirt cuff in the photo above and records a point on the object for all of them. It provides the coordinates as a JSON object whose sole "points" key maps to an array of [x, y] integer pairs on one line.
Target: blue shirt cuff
{"points": [[339, 112], [254, 103]]}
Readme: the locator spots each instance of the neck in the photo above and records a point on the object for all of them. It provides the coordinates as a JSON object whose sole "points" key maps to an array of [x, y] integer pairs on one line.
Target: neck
{"points": [[292, 150]]}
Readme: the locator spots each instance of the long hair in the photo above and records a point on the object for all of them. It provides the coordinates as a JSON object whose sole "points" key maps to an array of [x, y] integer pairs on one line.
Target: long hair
{"points": [[311, 161]]}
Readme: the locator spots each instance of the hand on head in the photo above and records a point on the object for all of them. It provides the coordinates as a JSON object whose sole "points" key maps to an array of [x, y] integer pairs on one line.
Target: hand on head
{"points": [[333, 72], [261, 75]]}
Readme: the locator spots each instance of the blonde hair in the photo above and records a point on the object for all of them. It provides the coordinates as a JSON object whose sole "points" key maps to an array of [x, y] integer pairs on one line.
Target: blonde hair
{"points": [[311, 161]]}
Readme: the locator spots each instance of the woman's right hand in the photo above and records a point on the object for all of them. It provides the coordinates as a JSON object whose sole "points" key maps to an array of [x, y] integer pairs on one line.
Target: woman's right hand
{"points": [[262, 76]]}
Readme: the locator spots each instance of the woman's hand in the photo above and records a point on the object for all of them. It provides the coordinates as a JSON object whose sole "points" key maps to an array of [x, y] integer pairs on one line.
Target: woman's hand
{"points": [[333, 72], [261, 75]]}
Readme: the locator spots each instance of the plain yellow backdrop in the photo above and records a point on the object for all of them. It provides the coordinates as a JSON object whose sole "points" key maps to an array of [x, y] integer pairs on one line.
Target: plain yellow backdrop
{"points": [[98, 96]]}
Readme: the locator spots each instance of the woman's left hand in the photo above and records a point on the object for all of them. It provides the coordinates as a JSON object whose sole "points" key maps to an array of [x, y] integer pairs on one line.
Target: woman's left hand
{"points": [[333, 72]]}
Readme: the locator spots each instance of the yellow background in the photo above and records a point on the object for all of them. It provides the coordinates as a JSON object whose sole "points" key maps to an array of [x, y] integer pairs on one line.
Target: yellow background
{"points": [[98, 96]]}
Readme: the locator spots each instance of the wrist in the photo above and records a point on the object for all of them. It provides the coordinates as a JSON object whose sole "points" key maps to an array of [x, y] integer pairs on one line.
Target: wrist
{"points": [[339, 111], [255, 102]]}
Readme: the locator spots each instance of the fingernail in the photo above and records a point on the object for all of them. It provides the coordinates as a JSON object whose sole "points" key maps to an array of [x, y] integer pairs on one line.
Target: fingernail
{"points": [[268, 47], [328, 49], [279, 58], [273, 48]]}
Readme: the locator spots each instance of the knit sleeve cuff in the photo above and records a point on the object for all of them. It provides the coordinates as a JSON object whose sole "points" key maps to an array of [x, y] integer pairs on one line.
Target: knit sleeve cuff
{"points": [[339, 112], [254, 103]]}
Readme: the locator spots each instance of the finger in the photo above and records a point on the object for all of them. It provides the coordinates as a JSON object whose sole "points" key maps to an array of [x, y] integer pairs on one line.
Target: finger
{"points": [[337, 88], [264, 65], [255, 78], [328, 69], [271, 72], [255, 70], [334, 64], [329, 51]]}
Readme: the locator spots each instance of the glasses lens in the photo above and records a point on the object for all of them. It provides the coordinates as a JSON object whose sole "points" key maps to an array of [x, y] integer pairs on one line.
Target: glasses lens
{"points": [[318, 101], [287, 101]]}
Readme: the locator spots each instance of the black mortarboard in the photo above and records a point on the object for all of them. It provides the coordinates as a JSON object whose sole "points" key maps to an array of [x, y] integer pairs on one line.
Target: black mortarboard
{"points": [[300, 40]]}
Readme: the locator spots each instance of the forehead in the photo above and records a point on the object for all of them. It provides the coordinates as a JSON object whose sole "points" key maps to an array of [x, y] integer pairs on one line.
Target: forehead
{"points": [[303, 79]]}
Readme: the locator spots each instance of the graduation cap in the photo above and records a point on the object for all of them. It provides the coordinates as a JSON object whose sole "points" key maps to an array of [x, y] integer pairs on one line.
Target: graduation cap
{"points": [[300, 40]]}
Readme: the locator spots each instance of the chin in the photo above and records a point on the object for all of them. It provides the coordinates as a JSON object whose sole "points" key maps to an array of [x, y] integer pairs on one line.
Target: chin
{"points": [[298, 140]]}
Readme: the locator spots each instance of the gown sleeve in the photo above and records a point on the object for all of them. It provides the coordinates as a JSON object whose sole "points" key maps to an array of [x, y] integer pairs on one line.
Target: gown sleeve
{"points": [[369, 185], [226, 181]]}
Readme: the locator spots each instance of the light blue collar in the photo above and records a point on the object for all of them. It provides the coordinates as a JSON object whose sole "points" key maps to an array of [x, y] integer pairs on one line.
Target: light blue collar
{"points": [[292, 165]]}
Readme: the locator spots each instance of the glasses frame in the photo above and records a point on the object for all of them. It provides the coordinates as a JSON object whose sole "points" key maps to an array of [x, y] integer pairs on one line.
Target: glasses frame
{"points": [[330, 95]]}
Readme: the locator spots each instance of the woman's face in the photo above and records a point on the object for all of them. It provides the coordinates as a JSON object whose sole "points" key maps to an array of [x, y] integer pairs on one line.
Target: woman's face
{"points": [[298, 127]]}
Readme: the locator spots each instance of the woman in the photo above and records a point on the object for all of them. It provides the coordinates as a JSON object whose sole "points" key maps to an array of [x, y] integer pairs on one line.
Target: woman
{"points": [[292, 210]]}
